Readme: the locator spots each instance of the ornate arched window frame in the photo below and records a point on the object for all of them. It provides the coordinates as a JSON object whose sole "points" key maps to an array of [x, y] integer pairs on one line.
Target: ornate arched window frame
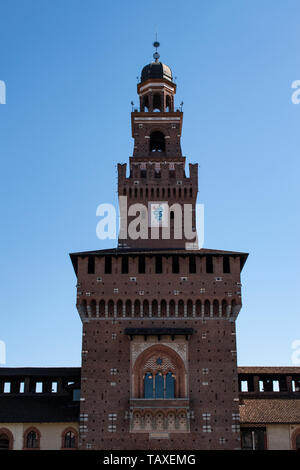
{"points": [[10, 437]]}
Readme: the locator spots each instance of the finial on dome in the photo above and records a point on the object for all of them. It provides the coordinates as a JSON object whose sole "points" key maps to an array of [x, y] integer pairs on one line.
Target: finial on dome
{"points": [[156, 44]]}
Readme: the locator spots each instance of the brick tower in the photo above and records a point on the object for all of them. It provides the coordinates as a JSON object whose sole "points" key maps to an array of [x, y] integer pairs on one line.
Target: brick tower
{"points": [[159, 366]]}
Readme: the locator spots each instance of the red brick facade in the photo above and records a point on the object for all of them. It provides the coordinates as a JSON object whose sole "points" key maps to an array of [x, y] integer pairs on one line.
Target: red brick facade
{"points": [[157, 312]]}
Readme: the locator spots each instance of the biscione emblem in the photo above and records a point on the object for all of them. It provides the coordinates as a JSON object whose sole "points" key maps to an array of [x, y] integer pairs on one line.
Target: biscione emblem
{"points": [[158, 214]]}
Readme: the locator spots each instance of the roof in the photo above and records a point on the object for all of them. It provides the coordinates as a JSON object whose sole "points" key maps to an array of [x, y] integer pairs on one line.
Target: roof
{"points": [[156, 70], [269, 370], [268, 411]]}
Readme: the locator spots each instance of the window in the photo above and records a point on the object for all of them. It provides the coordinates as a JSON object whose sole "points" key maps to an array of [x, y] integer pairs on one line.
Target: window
{"points": [[170, 385], [209, 264], [5, 441], [142, 264], [69, 440], [107, 268], [32, 440], [226, 264], [159, 385], [76, 394], [158, 264], [156, 102], [124, 264], [253, 439], [91, 265], [192, 263], [175, 264], [157, 142], [148, 385]]}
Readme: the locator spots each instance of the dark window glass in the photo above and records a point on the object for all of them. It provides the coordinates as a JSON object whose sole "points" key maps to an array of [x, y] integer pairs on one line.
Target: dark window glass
{"points": [[91, 265], [158, 264], [253, 439], [4, 442], [170, 385], [32, 441], [107, 265], [175, 264], [209, 264], [148, 385], [192, 262], [159, 385], [226, 264], [124, 264], [142, 264], [69, 441]]}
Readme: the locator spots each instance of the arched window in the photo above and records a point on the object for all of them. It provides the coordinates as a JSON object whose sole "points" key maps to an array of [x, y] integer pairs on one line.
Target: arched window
{"points": [[170, 385], [168, 103], [110, 308], [157, 142], [145, 104], [137, 308], [102, 308], [224, 307], [5, 441], [32, 439], [156, 102], [93, 308], [69, 440], [119, 308], [128, 308], [148, 385], [154, 308], [207, 308]]}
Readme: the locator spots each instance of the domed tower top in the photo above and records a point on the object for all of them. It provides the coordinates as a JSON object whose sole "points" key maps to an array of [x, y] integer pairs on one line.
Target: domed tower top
{"points": [[156, 69], [156, 88]]}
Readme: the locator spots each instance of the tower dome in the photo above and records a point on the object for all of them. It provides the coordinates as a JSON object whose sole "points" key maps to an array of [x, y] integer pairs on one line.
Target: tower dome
{"points": [[156, 69]]}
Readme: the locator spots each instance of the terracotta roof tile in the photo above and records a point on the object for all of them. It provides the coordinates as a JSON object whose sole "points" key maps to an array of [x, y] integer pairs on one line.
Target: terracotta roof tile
{"points": [[270, 411]]}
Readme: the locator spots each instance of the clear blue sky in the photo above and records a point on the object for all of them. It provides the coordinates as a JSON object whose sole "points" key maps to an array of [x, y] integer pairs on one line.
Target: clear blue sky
{"points": [[70, 68]]}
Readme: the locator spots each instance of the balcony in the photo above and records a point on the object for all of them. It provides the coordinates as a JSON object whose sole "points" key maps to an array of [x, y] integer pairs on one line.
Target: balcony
{"points": [[159, 417]]}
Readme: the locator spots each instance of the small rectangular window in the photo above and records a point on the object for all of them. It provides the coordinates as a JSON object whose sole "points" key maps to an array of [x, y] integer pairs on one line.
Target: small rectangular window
{"points": [[244, 386], [91, 264], [175, 264], [39, 387], [21, 389], [192, 263], [7, 387], [226, 264], [54, 387], [107, 267], [124, 264], [142, 264], [158, 264], [76, 394], [209, 264]]}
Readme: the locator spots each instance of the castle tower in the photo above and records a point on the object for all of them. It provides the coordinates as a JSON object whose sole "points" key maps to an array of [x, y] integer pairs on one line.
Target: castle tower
{"points": [[157, 177], [159, 366]]}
